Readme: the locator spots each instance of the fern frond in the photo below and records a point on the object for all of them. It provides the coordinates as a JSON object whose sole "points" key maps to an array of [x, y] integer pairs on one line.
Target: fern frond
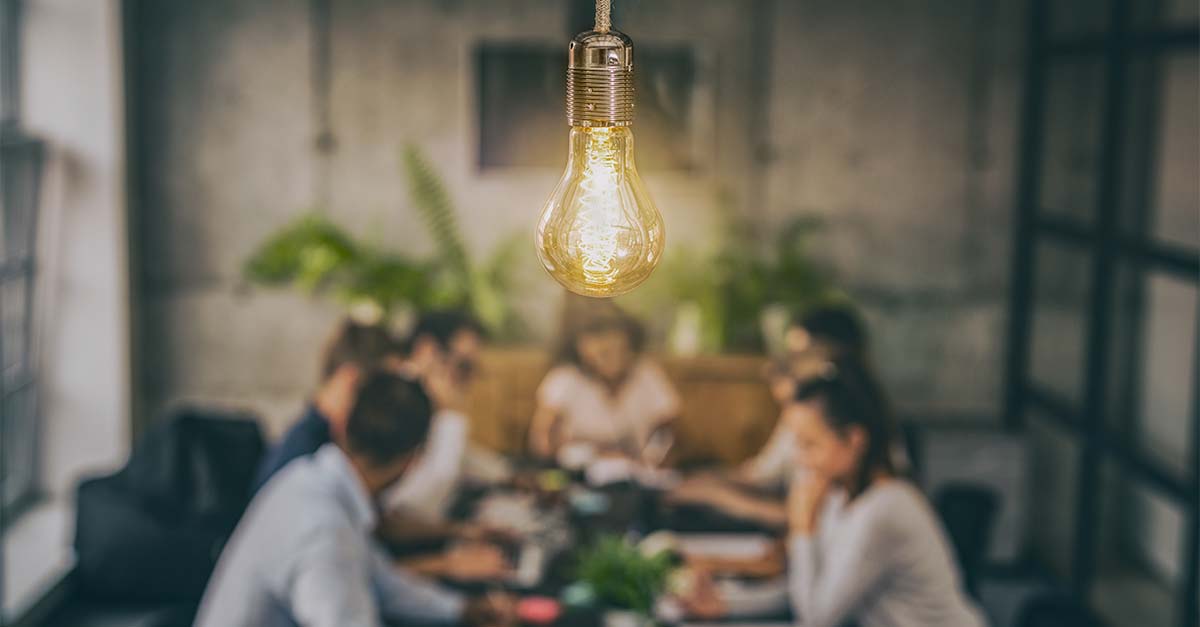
{"points": [[433, 204]]}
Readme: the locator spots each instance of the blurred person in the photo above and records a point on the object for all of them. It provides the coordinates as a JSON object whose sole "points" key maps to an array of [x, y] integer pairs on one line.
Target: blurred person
{"points": [[354, 350], [441, 353], [864, 545], [603, 390], [305, 553], [754, 490], [818, 335]]}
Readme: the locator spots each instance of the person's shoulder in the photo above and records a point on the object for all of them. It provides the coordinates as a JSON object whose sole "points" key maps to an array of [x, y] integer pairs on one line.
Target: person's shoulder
{"points": [[647, 370], [897, 499], [564, 370], [649, 365], [305, 436], [302, 493], [563, 375]]}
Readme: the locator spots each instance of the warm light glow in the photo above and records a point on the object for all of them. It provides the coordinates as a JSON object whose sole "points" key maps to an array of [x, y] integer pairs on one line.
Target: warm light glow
{"points": [[600, 213], [600, 234]]}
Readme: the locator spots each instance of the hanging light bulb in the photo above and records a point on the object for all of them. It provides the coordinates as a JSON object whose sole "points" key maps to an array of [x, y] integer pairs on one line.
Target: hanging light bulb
{"points": [[600, 233]]}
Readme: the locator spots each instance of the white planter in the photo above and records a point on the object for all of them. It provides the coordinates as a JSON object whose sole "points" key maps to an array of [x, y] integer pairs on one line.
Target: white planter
{"points": [[626, 618]]}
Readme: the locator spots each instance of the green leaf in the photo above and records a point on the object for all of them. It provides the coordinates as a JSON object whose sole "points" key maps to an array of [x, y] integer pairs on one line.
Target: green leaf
{"points": [[621, 576], [307, 252], [432, 203]]}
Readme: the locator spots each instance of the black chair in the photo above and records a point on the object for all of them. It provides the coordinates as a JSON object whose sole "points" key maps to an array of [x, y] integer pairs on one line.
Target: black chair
{"points": [[969, 512], [150, 534], [1055, 610]]}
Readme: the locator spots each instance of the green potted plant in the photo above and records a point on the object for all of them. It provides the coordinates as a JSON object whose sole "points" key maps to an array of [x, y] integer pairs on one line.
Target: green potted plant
{"points": [[624, 580], [316, 256]]}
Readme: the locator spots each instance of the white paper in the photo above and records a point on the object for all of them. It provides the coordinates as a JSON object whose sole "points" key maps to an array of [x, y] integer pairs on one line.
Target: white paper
{"points": [[725, 545]]}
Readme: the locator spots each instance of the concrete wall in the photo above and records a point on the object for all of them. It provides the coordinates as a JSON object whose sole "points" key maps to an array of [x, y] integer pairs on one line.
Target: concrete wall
{"points": [[894, 121]]}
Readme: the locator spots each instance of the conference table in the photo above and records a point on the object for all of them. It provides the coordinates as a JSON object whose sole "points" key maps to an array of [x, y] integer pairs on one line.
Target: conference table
{"points": [[574, 515]]}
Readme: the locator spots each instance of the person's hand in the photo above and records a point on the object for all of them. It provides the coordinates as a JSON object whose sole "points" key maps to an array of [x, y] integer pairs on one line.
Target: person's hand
{"points": [[804, 503], [476, 561], [490, 610], [445, 390], [699, 490], [480, 532], [703, 601]]}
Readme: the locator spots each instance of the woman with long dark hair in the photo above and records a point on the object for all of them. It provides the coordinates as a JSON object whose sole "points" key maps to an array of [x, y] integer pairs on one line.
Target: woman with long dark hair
{"points": [[864, 544]]}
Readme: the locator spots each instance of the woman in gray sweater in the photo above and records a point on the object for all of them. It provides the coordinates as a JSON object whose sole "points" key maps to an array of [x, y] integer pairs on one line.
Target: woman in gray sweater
{"points": [[864, 545]]}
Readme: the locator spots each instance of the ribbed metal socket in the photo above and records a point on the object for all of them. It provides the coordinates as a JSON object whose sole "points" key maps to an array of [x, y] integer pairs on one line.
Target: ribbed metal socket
{"points": [[600, 79]]}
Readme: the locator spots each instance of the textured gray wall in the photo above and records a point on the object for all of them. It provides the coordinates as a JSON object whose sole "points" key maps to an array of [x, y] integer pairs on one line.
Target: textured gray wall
{"points": [[895, 121]]}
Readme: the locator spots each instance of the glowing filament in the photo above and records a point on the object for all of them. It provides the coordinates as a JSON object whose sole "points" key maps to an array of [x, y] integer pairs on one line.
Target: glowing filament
{"points": [[600, 214]]}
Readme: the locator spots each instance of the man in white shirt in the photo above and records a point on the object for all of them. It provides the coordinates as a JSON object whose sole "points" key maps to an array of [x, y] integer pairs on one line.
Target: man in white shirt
{"points": [[304, 554], [441, 351]]}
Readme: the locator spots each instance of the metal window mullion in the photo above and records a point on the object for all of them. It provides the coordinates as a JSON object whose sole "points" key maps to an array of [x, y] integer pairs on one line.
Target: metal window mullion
{"points": [[1028, 183], [1117, 450], [31, 405], [1105, 251], [1163, 40], [1189, 609], [1133, 227], [10, 62]]}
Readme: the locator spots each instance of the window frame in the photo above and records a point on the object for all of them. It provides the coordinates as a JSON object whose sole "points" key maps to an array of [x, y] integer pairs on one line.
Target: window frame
{"points": [[25, 151], [1108, 246]]}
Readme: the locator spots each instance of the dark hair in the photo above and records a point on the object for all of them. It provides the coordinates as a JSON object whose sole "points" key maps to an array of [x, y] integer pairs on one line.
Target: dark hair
{"points": [[390, 418], [361, 345], [586, 316], [441, 326], [837, 325], [851, 396]]}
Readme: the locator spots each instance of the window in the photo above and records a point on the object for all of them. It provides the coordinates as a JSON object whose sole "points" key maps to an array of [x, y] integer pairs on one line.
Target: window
{"points": [[1104, 348], [20, 169]]}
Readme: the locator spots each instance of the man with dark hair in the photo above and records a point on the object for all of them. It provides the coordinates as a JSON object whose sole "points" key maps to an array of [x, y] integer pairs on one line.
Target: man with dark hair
{"points": [[443, 328], [441, 354], [354, 350], [304, 554]]}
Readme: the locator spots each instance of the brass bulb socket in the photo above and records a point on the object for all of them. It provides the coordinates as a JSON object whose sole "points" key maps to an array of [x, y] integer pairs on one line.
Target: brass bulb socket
{"points": [[600, 79]]}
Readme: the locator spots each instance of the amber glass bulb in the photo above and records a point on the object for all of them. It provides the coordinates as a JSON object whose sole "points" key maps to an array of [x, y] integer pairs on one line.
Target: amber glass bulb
{"points": [[600, 233]]}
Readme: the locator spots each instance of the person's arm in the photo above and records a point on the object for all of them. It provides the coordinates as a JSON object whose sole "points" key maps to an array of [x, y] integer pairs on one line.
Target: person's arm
{"points": [[828, 583], [661, 402], [404, 595], [772, 462], [545, 429], [402, 528], [732, 500], [473, 561], [330, 584], [766, 511], [541, 431]]}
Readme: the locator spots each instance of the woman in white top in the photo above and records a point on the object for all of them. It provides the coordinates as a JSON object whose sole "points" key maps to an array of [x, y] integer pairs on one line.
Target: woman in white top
{"points": [[602, 390], [864, 545]]}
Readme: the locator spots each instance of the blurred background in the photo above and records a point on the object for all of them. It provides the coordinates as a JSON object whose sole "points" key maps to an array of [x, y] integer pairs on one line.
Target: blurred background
{"points": [[1006, 190]]}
